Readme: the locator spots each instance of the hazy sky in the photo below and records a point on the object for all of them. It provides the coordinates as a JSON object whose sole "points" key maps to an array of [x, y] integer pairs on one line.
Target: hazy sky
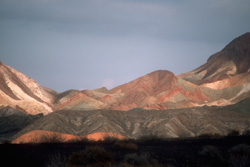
{"points": [[86, 44]]}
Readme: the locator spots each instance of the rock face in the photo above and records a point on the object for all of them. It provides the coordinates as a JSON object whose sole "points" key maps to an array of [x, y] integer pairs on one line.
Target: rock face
{"points": [[19, 91]]}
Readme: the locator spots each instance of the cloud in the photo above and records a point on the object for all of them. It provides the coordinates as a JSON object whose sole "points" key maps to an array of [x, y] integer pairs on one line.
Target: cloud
{"points": [[108, 83]]}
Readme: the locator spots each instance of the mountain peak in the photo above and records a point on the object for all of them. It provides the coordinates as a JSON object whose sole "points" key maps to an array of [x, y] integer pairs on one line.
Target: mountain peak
{"points": [[243, 39], [239, 47], [240, 44], [144, 89], [233, 59], [161, 73], [155, 78], [239, 52]]}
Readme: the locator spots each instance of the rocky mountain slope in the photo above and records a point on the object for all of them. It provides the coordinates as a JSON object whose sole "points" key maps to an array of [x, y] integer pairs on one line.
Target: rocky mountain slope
{"points": [[232, 60], [12, 121], [20, 92], [137, 123], [223, 80], [174, 102], [157, 90]]}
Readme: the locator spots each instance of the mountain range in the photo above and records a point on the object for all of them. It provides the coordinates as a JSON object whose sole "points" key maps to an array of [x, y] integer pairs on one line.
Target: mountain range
{"points": [[213, 98]]}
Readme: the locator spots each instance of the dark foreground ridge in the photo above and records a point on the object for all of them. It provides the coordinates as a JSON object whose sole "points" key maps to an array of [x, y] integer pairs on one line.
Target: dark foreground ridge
{"points": [[149, 152]]}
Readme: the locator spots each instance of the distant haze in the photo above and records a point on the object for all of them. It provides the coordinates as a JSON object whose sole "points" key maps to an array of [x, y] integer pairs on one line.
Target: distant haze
{"points": [[86, 44]]}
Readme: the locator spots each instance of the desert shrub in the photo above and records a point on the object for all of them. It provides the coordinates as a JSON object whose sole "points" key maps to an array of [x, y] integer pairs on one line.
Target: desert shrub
{"points": [[143, 159], [211, 155], [56, 160], [233, 133], [79, 139], [110, 139], [126, 145], [6, 142], [152, 137], [94, 155], [240, 156], [210, 151], [209, 136], [77, 159], [97, 154], [136, 159]]}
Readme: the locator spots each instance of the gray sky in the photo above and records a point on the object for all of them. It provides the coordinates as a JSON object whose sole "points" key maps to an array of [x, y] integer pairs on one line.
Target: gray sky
{"points": [[86, 44]]}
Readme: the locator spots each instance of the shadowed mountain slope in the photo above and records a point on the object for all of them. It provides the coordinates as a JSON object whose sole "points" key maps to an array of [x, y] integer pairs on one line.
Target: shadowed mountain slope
{"points": [[12, 121], [136, 123], [233, 59]]}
